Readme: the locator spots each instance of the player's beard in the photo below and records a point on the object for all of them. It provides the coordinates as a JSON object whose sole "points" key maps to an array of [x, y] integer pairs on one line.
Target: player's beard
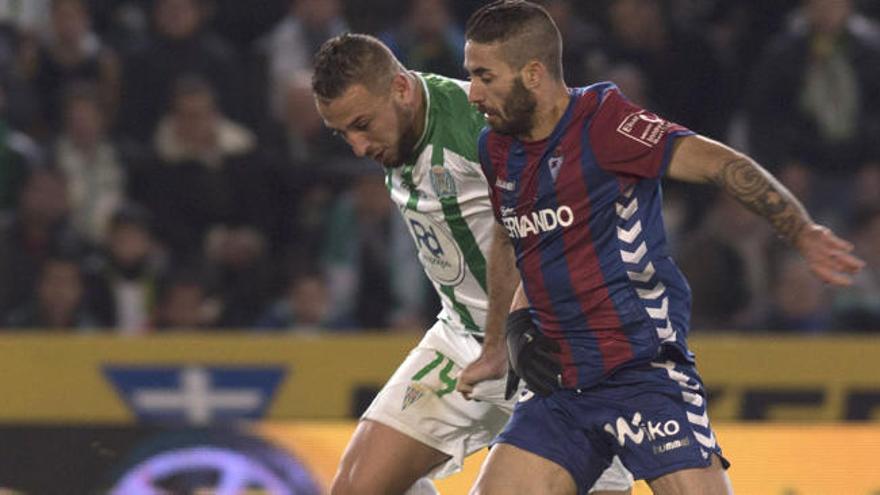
{"points": [[519, 111], [407, 141]]}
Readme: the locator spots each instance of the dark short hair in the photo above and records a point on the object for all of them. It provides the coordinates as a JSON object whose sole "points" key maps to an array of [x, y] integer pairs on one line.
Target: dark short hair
{"points": [[190, 84], [81, 91], [131, 214], [525, 29], [351, 59]]}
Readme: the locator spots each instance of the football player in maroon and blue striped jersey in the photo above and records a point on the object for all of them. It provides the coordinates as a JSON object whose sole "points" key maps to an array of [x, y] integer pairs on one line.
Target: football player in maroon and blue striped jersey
{"points": [[574, 177]]}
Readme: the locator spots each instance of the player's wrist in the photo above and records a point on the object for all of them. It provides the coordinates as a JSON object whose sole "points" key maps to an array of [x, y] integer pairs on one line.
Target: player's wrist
{"points": [[494, 350], [804, 232]]}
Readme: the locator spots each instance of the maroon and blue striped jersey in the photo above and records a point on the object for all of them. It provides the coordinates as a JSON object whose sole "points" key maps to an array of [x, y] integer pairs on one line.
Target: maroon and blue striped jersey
{"points": [[583, 211]]}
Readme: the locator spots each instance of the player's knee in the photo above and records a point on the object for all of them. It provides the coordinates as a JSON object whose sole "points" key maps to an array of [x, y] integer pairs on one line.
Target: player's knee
{"points": [[353, 478], [482, 490], [346, 482], [350, 483], [341, 485], [485, 486]]}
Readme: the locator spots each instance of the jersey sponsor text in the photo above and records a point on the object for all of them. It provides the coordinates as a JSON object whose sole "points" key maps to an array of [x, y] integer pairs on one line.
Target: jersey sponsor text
{"points": [[539, 221]]}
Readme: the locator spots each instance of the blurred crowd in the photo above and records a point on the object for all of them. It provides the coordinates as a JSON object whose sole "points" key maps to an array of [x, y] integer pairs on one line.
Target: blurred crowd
{"points": [[162, 166]]}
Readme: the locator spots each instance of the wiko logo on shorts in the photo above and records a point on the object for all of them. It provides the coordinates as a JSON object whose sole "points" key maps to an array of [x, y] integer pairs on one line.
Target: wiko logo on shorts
{"points": [[635, 430]]}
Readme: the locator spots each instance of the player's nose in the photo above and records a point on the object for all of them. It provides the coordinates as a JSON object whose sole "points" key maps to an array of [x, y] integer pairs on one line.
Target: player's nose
{"points": [[359, 145], [475, 93]]}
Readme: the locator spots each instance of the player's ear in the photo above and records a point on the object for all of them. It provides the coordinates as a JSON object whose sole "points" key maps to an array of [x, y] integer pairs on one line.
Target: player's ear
{"points": [[532, 73], [401, 87]]}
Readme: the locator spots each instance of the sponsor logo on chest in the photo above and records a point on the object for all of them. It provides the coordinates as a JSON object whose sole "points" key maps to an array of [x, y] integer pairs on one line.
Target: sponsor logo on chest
{"points": [[536, 222], [438, 252]]}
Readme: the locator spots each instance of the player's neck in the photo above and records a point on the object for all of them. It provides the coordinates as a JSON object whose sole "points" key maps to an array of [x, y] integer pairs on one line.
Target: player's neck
{"points": [[548, 113]]}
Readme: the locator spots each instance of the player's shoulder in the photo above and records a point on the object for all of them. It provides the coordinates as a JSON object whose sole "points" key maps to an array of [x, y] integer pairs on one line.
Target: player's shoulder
{"points": [[453, 123], [443, 81], [591, 98], [443, 86], [599, 90], [448, 102]]}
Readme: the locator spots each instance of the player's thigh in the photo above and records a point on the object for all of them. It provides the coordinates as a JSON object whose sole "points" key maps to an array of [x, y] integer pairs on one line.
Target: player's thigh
{"points": [[710, 480], [383, 461], [509, 470]]}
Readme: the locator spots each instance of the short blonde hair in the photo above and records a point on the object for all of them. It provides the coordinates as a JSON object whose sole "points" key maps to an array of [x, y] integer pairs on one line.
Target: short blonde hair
{"points": [[351, 59]]}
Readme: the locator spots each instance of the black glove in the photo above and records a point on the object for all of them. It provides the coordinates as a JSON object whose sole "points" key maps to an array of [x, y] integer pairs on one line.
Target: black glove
{"points": [[533, 357]]}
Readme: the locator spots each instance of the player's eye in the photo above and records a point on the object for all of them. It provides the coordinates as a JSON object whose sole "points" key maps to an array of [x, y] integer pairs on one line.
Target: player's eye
{"points": [[361, 125], [340, 134]]}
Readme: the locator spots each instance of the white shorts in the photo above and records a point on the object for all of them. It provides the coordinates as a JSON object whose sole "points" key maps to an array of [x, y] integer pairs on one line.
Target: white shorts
{"points": [[420, 401]]}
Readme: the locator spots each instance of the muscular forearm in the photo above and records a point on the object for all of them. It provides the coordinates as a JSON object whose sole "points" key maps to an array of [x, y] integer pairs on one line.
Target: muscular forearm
{"points": [[761, 193], [699, 159], [503, 282]]}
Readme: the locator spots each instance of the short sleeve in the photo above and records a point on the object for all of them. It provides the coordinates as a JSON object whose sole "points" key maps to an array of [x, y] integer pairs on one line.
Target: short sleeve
{"points": [[629, 140]]}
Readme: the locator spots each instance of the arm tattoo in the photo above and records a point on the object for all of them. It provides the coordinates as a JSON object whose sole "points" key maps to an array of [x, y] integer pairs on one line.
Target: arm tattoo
{"points": [[758, 191]]}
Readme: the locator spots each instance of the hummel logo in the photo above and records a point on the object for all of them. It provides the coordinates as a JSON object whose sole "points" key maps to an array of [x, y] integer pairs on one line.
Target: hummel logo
{"points": [[506, 185]]}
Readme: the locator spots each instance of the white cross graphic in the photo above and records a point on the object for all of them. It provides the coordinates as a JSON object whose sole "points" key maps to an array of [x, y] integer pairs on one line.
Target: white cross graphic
{"points": [[195, 397]]}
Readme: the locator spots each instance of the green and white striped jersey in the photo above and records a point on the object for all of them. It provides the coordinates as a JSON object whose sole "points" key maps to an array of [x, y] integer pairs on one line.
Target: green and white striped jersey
{"points": [[444, 200]]}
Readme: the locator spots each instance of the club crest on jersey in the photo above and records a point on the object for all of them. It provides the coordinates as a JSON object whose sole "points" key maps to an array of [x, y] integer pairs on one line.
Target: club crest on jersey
{"points": [[555, 163], [414, 392], [441, 181]]}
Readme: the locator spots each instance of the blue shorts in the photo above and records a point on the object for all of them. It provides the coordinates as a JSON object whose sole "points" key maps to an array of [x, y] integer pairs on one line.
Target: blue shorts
{"points": [[653, 416]]}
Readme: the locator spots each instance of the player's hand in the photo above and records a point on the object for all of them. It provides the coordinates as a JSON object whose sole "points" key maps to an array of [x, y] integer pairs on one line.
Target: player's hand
{"points": [[829, 257], [533, 356], [491, 365]]}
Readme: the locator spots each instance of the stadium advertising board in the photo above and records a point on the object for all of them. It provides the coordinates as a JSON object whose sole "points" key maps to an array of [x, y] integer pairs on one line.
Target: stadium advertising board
{"points": [[199, 379]]}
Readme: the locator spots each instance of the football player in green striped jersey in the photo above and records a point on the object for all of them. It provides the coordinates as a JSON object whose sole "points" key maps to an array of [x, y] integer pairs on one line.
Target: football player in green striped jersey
{"points": [[422, 130]]}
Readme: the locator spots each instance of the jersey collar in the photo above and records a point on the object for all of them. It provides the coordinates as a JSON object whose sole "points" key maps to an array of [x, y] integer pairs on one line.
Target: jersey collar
{"points": [[420, 144]]}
